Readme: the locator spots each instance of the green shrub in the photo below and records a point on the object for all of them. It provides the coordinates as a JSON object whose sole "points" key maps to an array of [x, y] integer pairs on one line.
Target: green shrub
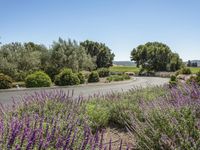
{"points": [[109, 79], [103, 72], [193, 79], [75, 80], [51, 71], [173, 80], [93, 77], [118, 77], [81, 77], [120, 113], [86, 74], [21, 75], [98, 115], [185, 71], [5, 81], [38, 79], [126, 77], [198, 73], [66, 77], [177, 72]]}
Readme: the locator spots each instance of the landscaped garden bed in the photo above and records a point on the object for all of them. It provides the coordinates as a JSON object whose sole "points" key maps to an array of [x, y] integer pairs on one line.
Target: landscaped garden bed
{"points": [[137, 119]]}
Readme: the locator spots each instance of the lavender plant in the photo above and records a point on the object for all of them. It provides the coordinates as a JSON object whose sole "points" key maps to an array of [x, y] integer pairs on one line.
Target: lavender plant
{"points": [[49, 121], [158, 117], [171, 122]]}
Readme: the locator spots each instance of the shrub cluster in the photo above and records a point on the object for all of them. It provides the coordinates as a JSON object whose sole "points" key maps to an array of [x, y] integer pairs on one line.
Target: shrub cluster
{"points": [[38, 79], [118, 77], [156, 117], [103, 72], [81, 77], [93, 77], [62, 53], [5, 81], [98, 115], [67, 77], [185, 71], [115, 109], [194, 79], [173, 80]]}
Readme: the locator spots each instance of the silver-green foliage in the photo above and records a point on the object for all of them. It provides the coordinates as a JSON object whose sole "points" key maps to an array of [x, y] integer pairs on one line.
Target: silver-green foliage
{"points": [[70, 54]]}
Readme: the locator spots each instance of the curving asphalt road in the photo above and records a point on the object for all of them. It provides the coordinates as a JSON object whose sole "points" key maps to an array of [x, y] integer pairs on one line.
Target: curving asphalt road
{"points": [[87, 90]]}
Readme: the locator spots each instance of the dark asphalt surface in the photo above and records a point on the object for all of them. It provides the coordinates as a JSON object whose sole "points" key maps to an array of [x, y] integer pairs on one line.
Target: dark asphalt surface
{"points": [[87, 90]]}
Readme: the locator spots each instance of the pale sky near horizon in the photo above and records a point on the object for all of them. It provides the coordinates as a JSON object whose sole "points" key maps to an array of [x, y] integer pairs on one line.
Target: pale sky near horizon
{"points": [[120, 24]]}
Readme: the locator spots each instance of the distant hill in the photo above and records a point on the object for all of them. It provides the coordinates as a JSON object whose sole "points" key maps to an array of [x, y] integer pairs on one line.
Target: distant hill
{"points": [[124, 63]]}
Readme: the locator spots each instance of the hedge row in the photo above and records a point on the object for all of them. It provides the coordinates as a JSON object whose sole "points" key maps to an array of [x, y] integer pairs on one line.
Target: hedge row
{"points": [[64, 78]]}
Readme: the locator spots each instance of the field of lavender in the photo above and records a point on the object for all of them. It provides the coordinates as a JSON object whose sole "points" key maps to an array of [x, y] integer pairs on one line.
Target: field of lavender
{"points": [[152, 118]]}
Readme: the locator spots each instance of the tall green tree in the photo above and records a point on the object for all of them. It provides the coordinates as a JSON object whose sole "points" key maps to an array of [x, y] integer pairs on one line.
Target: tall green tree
{"points": [[155, 56], [100, 53], [70, 54], [17, 59]]}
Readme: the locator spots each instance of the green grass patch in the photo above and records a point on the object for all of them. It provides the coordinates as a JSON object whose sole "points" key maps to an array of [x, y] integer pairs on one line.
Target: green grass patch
{"points": [[124, 69], [195, 69]]}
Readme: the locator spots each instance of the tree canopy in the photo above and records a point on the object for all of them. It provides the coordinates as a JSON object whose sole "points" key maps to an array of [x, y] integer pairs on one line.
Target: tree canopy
{"points": [[17, 59], [155, 56], [99, 52], [70, 54], [20, 59]]}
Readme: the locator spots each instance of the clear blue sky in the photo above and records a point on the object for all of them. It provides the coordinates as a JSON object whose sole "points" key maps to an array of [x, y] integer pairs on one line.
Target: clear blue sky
{"points": [[121, 24]]}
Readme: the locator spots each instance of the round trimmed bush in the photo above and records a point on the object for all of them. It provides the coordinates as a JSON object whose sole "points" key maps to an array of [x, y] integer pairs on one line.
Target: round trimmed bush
{"points": [[81, 77], [173, 80], [75, 80], [103, 72], [93, 77], [38, 79], [126, 77], [185, 71], [66, 77], [5, 81]]}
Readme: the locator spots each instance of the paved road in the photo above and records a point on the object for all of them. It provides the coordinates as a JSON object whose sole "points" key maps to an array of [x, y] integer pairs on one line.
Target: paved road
{"points": [[90, 89]]}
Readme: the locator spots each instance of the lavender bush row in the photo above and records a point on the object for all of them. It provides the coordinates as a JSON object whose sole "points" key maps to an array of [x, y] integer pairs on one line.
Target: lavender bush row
{"points": [[50, 120], [172, 122], [39, 134], [158, 117]]}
